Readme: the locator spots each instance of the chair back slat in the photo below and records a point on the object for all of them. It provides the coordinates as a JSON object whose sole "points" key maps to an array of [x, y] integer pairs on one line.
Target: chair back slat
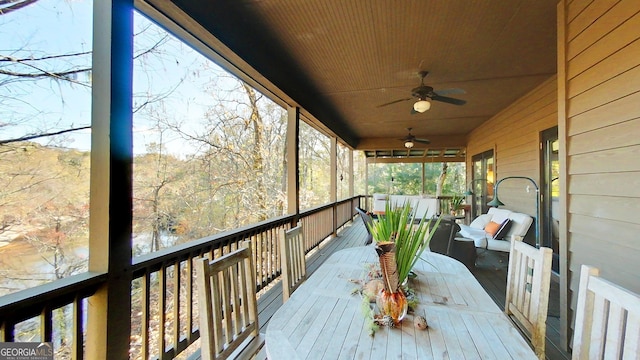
{"points": [[294, 264], [368, 221], [527, 297], [632, 342], [227, 303], [607, 319]]}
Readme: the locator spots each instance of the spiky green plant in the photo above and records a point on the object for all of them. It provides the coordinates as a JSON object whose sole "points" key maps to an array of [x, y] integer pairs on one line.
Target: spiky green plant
{"points": [[397, 226], [455, 203]]}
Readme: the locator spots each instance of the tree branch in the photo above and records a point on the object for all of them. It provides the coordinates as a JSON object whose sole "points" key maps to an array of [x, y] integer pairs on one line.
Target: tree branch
{"points": [[31, 137], [64, 75], [13, 5]]}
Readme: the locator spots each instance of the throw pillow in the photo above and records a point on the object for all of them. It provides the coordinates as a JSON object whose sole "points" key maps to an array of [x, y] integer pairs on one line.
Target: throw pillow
{"points": [[492, 228], [503, 230]]}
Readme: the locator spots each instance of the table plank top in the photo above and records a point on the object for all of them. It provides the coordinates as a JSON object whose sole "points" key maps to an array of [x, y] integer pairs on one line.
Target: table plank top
{"points": [[324, 319]]}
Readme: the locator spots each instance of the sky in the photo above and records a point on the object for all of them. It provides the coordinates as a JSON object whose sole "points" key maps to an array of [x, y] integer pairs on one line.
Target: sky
{"points": [[50, 27], [27, 33]]}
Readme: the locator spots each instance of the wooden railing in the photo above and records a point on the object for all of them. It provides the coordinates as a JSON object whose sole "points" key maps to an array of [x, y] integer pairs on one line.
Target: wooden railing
{"points": [[164, 308], [64, 300]]}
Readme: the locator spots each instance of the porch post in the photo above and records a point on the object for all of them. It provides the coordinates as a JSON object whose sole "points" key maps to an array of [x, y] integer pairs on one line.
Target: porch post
{"points": [[351, 180], [109, 310], [369, 206], [423, 179], [333, 181], [293, 160]]}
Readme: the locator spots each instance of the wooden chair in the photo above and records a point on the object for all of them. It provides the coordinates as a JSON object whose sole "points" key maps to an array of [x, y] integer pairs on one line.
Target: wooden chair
{"points": [[527, 299], [367, 220], [294, 263], [607, 319], [228, 307]]}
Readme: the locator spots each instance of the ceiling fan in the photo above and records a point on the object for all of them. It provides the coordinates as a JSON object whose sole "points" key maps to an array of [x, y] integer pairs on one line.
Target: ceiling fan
{"points": [[410, 140], [424, 93]]}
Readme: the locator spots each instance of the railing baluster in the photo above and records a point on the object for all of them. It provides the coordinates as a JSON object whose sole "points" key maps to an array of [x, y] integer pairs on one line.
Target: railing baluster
{"points": [[263, 258], [7, 331], [146, 305], [77, 348], [255, 244], [162, 303], [275, 253], [277, 263], [46, 324], [189, 293], [176, 304]]}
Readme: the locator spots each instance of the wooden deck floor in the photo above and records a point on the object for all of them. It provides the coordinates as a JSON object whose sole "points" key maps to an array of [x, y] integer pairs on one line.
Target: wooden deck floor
{"points": [[491, 272]]}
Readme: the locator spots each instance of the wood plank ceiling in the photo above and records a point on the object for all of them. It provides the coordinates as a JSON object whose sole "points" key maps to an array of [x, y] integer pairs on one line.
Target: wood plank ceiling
{"points": [[341, 59]]}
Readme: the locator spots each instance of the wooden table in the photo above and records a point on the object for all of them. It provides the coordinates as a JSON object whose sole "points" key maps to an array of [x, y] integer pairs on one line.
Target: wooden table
{"points": [[324, 319]]}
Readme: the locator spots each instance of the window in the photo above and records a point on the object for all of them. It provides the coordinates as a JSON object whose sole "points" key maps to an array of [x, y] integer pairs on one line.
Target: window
{"points": [[45, 107], [315, 167], [483, 168], [208, 148]]}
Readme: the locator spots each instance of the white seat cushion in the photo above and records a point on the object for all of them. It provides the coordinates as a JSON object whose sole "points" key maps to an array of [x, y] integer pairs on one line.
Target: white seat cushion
{"points": [[479, 236], [520, 225], [499, 215], [499, 245], [481, 221], [380, 196], [379, 203], [426, 208]]}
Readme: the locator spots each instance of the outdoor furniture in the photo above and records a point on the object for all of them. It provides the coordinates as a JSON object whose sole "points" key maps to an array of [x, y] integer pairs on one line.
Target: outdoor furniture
{"points": [[464, 250], [227, 304], [294, 264], [442, 240], [367, 220], [527, 299], [607, 319], [324, 318], [518, 224], [421, 206], [445, 242]]}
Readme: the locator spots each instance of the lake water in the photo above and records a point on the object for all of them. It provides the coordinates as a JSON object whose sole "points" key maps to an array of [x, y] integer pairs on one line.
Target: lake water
{"points": [[24, 264]]}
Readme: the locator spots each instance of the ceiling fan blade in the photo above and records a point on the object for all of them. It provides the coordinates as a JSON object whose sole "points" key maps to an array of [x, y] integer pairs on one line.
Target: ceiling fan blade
{"points": [[422, 141], [448, 100], [394, 102], [449, 91]]}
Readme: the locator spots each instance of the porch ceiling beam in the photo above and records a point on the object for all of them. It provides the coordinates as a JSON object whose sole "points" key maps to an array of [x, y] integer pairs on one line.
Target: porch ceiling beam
{"points": [[436, 141], [405, 159]]}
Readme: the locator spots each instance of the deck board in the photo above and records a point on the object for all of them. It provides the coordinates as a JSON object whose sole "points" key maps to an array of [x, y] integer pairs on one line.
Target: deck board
{"points": [[491, 272]]}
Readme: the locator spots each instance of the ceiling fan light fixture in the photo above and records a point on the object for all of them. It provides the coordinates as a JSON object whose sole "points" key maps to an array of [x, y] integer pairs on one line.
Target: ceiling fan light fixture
{"points": [[408, 144], [421, 106]]}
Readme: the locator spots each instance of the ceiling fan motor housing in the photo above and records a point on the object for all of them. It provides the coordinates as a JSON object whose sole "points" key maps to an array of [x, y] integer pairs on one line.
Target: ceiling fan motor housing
{"points": [[422, 92]]}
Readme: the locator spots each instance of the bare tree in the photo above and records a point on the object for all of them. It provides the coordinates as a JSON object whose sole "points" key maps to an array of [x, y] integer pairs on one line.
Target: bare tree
{"points": [[441, 178]]}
